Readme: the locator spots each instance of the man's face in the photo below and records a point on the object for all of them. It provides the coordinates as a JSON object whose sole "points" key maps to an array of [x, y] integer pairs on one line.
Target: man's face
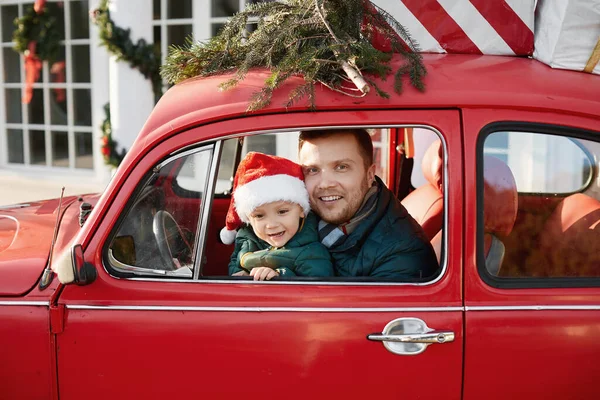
{"points": [[335, 176]]}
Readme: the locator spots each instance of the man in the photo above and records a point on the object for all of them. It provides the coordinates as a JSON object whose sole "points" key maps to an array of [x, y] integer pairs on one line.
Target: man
{"points": [[364, 226]]}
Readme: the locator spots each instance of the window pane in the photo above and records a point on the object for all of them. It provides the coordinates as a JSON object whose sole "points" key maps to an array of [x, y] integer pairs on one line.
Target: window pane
{"points": [[216, 28], [224, 8], [15, 146], [9, 13], [157, 39], [12, 65], [81, 63], [58, 106], [13, 105], [159, 231], [58, 11], [156, 12], [36, 107], [542, 163], [80, 28], [83, 150], [176, 34], [60, 149], [82, 106], [179, 9], [37, 147], [541, 213]]}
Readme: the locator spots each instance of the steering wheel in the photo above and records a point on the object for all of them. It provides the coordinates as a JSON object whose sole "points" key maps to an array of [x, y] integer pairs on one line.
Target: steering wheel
{"points": [[170, 239]]}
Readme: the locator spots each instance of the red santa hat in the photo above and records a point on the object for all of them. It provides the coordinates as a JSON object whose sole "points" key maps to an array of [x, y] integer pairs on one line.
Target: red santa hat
{"points": [[261, 179]]}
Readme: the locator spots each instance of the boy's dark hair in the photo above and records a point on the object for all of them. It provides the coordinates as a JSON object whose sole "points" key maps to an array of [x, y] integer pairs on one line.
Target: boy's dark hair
{"points": [[365, 144]]}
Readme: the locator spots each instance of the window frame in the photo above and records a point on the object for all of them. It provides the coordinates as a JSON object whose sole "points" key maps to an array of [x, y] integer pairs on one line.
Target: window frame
{"points": [[135, 272], [204, 218], [525, 282]]}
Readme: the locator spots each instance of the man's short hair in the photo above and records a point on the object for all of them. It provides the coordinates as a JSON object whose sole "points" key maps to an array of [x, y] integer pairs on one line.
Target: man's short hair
{"points": [[365, 144]]}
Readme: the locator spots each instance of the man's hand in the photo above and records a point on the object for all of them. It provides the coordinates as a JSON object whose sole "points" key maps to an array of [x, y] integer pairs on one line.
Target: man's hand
{"points": [[241, 273], [263, 273]]}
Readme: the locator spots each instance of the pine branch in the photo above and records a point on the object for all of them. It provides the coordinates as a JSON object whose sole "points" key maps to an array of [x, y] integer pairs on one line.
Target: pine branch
{"points": [[324, 41]]}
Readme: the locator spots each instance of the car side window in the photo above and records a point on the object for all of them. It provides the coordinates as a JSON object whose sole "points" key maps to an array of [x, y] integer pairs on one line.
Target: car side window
{"points": [[157, 235], [539, 205], [426, 205]]}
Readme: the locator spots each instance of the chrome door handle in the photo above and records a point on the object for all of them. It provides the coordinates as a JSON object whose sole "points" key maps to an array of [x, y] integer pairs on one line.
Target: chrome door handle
{"points": [[429, 338], [410, 336]]}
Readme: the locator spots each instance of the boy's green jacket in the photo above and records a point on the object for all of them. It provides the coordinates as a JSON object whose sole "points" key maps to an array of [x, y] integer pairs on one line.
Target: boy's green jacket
{"points": [[303, 255]]}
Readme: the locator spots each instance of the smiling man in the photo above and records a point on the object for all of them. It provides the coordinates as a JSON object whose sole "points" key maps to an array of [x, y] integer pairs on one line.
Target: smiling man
{"points": [[364, 226]]}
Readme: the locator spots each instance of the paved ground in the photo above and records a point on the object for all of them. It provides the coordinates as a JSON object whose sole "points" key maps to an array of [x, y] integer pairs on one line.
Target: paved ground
{"points": [[16, 188]]}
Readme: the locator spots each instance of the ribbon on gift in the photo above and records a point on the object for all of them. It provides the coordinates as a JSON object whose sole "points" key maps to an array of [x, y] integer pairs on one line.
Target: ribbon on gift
{"points": [[594, 59]]}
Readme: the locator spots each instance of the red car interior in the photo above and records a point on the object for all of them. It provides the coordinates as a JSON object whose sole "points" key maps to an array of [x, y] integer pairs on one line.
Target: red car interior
{"points": [[426, 203], [500, 203]]}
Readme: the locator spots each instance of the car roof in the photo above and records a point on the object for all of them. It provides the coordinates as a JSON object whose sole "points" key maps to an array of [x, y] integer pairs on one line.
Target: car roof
{"points": [[452, 81]]}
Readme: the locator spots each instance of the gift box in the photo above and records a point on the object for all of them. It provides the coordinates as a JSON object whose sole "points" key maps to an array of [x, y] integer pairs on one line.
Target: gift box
{"points": [[567, 34], [503, 27]]}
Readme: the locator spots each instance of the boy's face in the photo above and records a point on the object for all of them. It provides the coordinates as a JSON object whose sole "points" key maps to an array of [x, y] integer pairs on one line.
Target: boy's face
{"points": [[276, 223]]}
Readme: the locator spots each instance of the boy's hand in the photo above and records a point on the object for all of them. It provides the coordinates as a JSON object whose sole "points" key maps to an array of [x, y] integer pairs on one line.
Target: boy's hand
{"points": [[263, 273]]}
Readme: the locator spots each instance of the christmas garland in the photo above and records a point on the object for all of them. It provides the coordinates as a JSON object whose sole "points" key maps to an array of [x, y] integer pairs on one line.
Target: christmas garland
{"points": [[37, 37], [342, 45], [108, 146], [141, 55]]}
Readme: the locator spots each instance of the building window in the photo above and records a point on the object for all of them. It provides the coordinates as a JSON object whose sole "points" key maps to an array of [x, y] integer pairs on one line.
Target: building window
{"points": [[55, 129], [172, 25]]}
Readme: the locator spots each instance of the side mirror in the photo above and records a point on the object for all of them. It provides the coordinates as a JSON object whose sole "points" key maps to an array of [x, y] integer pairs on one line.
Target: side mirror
{"points": [[83, 273]]}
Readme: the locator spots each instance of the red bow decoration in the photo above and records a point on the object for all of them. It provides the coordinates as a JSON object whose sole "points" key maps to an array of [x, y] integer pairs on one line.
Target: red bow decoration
{"points": [[38, 6], [33, 66], [58, 69]]}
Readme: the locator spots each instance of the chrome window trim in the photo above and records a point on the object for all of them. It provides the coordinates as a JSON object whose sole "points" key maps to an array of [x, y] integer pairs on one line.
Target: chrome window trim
{"points": [[206, 207], [25, 303], [218, 142], [268, 309]]}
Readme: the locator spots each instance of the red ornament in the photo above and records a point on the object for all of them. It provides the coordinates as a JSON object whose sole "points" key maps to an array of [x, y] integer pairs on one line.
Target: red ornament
{"points": [[38, 6]]}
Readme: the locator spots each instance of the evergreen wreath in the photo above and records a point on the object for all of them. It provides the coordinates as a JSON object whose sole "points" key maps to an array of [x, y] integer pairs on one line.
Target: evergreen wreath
{"points": [[37, 37], [108, 146], [117, 40], [338, 43], [41, 28]]}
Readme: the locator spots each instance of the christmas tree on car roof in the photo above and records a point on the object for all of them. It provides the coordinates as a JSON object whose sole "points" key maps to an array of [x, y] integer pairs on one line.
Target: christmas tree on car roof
{"points": [[341, 44]]}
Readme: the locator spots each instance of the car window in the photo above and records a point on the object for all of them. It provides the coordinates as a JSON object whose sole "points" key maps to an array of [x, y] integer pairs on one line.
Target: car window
{"points": [[541, 163], [285, 144], [540, 205], [157, 234]]}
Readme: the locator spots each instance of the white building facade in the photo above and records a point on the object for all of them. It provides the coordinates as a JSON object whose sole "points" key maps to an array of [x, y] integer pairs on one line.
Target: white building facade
{"points": [[57, 136]]}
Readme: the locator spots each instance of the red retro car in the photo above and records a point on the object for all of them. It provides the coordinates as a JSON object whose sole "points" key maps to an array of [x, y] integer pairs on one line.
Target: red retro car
{"points": [[498, 161]]}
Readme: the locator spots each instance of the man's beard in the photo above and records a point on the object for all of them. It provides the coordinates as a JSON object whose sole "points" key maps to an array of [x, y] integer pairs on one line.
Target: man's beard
{"points": [[352, 204]]}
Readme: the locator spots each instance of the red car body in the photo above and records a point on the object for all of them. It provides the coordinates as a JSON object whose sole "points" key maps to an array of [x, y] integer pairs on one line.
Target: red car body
{"points": [[121, 337]]}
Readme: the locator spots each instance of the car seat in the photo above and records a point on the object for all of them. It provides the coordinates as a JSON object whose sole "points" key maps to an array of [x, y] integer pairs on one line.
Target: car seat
{"points": [[570, 239], [426, 203]]}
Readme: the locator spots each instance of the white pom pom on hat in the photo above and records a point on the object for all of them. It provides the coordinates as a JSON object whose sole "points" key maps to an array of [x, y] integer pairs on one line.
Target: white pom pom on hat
{"points": [[261, 179]]}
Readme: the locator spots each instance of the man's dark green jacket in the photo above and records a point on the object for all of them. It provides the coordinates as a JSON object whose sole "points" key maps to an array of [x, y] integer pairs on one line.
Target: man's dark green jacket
{"points": [[303, 255], [389, 243]]}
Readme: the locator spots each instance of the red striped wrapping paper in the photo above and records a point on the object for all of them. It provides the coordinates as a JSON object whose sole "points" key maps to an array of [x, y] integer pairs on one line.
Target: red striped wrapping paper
{"points": [[503, 27]]}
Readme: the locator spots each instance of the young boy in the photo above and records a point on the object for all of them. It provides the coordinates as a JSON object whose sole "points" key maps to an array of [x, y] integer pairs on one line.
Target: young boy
{"points": [[270, 221]]}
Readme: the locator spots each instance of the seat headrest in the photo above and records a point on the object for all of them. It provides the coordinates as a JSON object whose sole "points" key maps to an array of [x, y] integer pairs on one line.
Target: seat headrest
{"points": [[432, 164], [500, 200]]}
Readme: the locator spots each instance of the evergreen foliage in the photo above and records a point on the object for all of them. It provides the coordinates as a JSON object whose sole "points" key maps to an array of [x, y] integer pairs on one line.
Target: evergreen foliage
{"points": [[141, 55], [40, 28], [325, 41]]}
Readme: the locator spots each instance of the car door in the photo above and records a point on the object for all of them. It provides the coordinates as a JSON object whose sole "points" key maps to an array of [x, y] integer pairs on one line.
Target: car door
{"points": [[531, 323], [155, 336]]}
